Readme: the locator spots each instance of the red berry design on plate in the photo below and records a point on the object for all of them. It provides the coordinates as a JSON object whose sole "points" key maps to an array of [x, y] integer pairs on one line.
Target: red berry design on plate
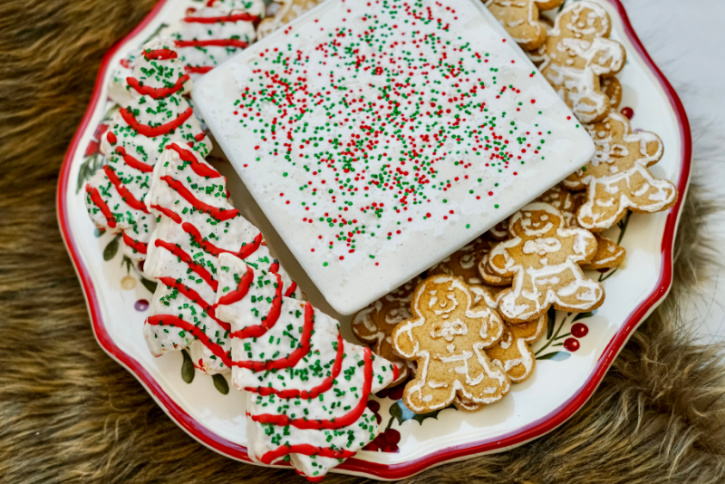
{"points": [[386, 441], [141, 305], [396, 393], [628, 112], [571, 344], [375, 408], [579, 330]]}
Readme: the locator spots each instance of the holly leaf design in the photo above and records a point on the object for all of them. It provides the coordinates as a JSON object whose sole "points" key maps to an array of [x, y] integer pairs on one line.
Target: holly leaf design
{"points": [[128, 263], [156, 32], [187, 368], [111, 249], [550, 322], [584, 315], [149, 285], [401, 413], [555, 356], [87, 169], [220, 383]]}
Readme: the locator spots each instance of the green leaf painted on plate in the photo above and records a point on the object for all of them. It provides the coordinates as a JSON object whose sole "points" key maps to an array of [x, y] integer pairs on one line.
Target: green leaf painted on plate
{"points": [[556, 356], [220, 383], [111, 249], [127, 263], [88, 168], [584, 315], [149, 285], [550, 322], [401, 413], [187, 368], [155, 33]]}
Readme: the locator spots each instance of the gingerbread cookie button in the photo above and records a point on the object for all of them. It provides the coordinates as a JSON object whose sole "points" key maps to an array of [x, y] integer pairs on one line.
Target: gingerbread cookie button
{"points": [[543, 257], [447, 337], [618, 178], [576, 56]]}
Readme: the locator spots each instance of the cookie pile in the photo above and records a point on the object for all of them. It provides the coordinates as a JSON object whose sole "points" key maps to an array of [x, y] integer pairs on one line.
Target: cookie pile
{"points": [[464, 330], [220, 293]]}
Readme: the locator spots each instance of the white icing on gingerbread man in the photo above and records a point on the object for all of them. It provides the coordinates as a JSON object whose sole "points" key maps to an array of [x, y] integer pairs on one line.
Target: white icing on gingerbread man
{"points": [[618, 179], [577, 54], [447, 337], [543, 257]]}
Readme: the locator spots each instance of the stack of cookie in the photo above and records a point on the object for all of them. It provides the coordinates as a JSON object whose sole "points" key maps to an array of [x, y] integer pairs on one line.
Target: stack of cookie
{"points": [[465, 329]]}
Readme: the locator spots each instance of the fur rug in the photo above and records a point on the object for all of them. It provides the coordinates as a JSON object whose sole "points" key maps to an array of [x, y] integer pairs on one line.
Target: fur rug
{"points": [[68, 413]]}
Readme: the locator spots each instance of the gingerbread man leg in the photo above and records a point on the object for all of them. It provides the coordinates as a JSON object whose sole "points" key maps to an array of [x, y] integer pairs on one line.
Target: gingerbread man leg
{"points": [[430, 389], [579, 294], [481, 381], [524, 301]]}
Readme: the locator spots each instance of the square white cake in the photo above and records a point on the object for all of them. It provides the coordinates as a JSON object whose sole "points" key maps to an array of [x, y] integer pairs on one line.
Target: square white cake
{"points": [[380, 136]]}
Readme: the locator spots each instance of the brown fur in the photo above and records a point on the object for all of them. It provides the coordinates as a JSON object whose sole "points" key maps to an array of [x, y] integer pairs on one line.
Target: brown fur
{"points": [[68, 413]]}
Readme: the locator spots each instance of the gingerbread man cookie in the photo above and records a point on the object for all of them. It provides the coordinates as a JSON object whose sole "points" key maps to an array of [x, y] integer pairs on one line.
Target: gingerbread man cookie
{"points": [[609, 253], [447, 337], [543, 257], [576, 56], [520, 18], [618, 179], [376, 323]]}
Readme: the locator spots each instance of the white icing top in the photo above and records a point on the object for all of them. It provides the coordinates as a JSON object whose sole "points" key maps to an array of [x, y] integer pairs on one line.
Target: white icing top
{"points": [[379, 136]]}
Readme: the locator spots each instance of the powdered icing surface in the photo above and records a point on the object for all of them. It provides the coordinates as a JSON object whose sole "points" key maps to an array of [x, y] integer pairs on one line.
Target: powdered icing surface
{"points": [[367, 127]]}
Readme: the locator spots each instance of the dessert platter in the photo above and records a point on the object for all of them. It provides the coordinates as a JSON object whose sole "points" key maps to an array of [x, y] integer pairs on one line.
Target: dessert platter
{"points": [[467, 207]]}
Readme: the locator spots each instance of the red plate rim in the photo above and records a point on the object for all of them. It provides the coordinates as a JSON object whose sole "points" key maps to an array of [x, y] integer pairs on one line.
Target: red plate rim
{"points": [[357, 466]]}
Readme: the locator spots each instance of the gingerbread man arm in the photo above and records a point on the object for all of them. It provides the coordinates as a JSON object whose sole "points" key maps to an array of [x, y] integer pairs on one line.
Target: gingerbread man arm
{"points": [[609, 57], [651, 146], [500, 261], [404, 340], [490, 325], [584, 243]]}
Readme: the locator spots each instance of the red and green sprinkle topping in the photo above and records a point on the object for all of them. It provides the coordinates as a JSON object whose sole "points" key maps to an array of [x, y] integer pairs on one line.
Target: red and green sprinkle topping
{"points": [[385, 122]]}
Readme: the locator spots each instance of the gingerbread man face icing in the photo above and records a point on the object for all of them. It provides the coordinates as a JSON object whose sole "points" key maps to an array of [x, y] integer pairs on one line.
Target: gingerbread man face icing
{"points": [[617, 179], [577, 54], [447, 337], [375, 323], [520, 18], [543, 257]]}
